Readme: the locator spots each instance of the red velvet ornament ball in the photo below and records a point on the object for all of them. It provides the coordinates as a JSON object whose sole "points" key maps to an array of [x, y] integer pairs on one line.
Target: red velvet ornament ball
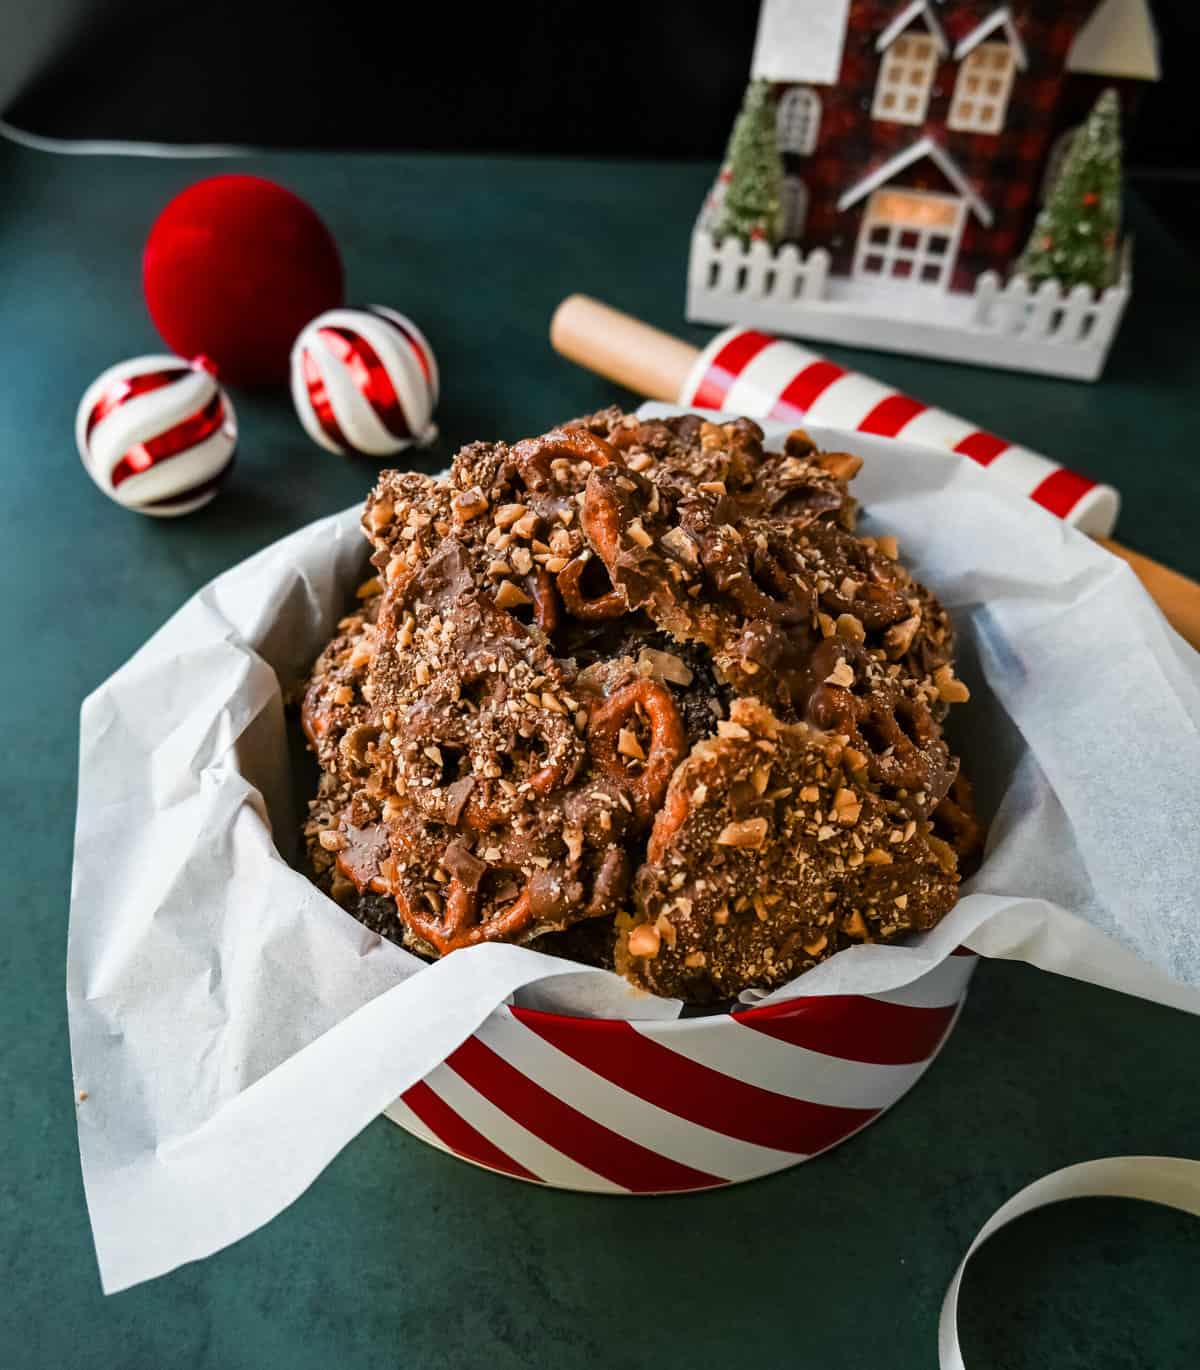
{"points": [[234, 267]]}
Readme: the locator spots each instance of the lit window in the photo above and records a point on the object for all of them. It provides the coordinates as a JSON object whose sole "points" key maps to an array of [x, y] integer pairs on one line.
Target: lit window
{"points": [[981, 92], [905, 79], [798, 120], [910, 236]]}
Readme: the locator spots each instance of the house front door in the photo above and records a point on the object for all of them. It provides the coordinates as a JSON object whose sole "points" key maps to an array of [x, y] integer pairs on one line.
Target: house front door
{"points": [[911, 236]]}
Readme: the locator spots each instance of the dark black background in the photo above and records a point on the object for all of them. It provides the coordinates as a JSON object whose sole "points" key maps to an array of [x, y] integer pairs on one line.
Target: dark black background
{"points": [[616, 79]]}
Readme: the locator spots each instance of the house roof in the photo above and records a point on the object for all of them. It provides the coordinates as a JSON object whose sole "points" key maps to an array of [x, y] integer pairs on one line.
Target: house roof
{"points": [[1118, 40], [923, 147], [800, 40], [1000, 18], [905, 17]]}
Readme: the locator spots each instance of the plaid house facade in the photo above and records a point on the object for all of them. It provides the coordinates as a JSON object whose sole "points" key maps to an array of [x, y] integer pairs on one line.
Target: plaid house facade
{"points": [[889, 123]]}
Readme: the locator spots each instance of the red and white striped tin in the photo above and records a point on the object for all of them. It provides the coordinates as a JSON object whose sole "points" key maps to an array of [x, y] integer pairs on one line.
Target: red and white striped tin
{"points": [[746, 372], [616, 1107]]}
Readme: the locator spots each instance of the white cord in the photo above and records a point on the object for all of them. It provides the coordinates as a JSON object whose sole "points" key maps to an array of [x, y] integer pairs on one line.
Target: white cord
{"points": [[106, 147], [1166, 1180]]}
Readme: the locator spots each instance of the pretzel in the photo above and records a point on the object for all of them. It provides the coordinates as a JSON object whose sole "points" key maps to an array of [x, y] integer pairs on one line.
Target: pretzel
{"points": [[603, 514], [488, 804], [669, 819], [610, 604], [360, 859], [535, 456], [760, 573], [955, 820], [895, 732], [460, 925], [546, 602], [860, 580], [667, 742]]}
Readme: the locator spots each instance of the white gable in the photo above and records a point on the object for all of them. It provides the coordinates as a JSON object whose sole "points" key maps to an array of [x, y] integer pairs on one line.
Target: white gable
{"points": [[902, 21], [1118, 40], [998, 19], [800, 40], [923, 147]]}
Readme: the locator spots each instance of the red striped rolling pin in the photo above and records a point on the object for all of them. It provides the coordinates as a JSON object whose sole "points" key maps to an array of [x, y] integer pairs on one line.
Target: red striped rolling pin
{"points": [[746, 372]]}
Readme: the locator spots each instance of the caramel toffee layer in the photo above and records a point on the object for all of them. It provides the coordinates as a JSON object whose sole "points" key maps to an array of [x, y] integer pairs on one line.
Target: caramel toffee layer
{"points": [[637, 692]]}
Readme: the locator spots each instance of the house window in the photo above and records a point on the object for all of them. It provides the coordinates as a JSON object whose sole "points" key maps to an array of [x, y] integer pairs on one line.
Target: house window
{"points": [[798, 120], [911, 236], [985, 80], [795, 208], [905, 78]]}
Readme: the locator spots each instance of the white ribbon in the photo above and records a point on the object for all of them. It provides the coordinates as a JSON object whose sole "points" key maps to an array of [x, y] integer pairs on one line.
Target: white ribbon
{"points": [[1166, 1180]]}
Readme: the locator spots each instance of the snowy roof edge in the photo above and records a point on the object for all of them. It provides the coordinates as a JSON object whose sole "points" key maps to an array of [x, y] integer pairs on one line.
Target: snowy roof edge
{"points": [[923, 147]]}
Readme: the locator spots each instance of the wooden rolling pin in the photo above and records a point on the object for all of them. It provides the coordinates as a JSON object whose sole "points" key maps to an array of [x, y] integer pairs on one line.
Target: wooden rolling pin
{"points": [[655, 364]]}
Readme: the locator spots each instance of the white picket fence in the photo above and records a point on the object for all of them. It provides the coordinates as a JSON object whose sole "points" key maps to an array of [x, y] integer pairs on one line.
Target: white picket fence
{"points": [[998, 323], [1016, 308], [755, 272]]}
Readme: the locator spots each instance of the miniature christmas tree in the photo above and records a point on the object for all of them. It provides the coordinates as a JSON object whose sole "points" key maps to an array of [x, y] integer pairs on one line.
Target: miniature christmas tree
{"points": [[752, 207], [1075, 237]]}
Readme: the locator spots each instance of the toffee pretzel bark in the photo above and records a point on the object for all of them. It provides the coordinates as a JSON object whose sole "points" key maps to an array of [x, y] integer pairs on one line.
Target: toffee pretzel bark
{"points": [[594, 665], [772, 851]]}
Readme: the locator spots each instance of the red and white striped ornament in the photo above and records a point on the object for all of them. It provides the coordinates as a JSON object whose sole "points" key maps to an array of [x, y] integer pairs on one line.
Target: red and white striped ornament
{"points": [[157, 434], [652, 1107], [746, 372], [365, 381]]}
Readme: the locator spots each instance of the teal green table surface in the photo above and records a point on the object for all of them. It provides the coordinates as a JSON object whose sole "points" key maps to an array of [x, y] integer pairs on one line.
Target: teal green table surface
{"points": [[399, 1255]]}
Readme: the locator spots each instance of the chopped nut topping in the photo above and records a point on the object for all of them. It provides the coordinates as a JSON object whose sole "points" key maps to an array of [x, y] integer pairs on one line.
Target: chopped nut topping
{"points": [[628, 745], [469, 505], [677, 542], [638, 534], [853, 925], [950, 689], [842, 674], [382, 512], [664, 666], [510, 596], [750, 832]]}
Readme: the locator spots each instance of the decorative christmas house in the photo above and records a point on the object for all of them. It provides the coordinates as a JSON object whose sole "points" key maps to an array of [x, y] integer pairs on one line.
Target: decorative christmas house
{"points": [[916, 141]]}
